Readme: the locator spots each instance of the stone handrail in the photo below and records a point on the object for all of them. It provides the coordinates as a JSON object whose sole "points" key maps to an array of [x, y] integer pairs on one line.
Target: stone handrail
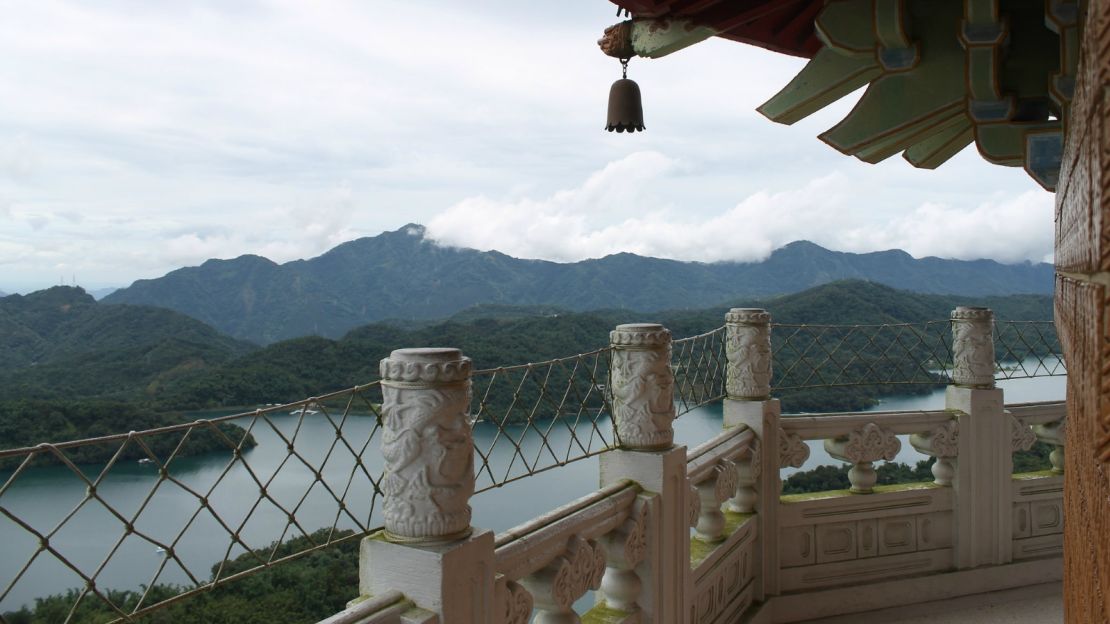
{"points": [[831, 425], [975, 528], [550, 562]]}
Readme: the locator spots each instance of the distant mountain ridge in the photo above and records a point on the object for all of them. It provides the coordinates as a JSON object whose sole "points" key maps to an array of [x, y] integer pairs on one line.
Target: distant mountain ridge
{"points": [[404, 275]]}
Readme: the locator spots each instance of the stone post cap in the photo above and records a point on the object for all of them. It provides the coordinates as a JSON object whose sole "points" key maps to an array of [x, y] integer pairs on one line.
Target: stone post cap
{"points": [[426, 365], [753, 316], [645, 335], [972, 313]]}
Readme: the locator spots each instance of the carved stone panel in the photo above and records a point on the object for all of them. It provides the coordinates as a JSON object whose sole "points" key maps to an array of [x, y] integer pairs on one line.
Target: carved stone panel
{"points": [[643, 386], [897, 535], [796, 547], [836, 542], [934, 530], [748, 349], [1046, 517]]}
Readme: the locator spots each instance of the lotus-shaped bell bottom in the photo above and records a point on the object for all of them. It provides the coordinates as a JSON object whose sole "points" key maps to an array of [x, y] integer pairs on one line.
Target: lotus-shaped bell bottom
{"points": [[626, 112]]}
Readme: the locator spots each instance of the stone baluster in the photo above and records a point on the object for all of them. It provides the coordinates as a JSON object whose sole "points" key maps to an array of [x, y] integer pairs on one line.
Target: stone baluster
{"points": [[983, 498], [642, 385], [626, 547], [712, 493], [1054, 433], [862, 448], [428, 551], [556, 586], [748, 403], [943, 443], [748, 471]]}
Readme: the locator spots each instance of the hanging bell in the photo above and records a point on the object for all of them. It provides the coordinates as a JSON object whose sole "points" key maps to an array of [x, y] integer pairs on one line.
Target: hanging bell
{"points": [[626, 111]]}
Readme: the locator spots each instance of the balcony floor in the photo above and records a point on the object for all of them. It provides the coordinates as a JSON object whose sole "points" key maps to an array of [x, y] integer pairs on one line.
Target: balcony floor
{"points": [[1038, 604]]}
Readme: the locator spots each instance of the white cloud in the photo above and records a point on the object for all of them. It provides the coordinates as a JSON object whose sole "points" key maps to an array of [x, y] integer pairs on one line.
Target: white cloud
{"points": [[619, 209], [1007, 228]]}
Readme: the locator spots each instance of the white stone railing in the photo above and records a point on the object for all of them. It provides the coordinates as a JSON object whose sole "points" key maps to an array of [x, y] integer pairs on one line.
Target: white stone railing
{"points": [[705, 535]]}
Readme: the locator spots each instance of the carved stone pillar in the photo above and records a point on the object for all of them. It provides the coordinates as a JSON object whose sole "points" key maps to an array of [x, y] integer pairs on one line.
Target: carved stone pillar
{"points": [[428, 550], [981, 485], [643, 386], [973, 347], [643, 409], [862, 448], [748, 403], [427, 445], [943, 443], [748, 348]]}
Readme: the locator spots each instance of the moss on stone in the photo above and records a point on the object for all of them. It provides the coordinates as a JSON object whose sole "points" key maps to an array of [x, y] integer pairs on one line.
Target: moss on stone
{"points": [[700, 550], [1039, 474], [602, 613], [878, 489]]}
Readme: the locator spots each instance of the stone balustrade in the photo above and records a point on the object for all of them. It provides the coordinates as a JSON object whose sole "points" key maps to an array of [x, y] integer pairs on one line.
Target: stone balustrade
{"points": [[705, 535]]}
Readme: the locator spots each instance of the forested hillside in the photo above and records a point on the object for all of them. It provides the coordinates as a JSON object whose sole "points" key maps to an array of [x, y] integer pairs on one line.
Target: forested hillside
{"points": [[303, 367], [61, 343]]}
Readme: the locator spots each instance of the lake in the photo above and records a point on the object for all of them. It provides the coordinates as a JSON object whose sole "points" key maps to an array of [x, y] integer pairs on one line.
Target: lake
{"points": [[44, 496]]}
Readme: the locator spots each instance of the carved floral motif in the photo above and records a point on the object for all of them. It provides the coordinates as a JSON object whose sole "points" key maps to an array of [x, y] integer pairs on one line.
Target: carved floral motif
{"points": [[725, 486], [869, 443], [635, 534], [568, 576], [942, 441], [756, 459], [793, 451], [973, 347], [643, 386], [517, 604], [748, 349], [1022, 437], [427, 445]]}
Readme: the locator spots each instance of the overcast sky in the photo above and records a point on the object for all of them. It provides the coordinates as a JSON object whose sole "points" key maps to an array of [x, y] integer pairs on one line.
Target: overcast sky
{"points": [[138, 137]]}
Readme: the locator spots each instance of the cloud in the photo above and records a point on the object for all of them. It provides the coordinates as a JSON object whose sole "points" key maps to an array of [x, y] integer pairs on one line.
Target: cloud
{"points": [[1008, 228], [618, 209], [19, 160]]}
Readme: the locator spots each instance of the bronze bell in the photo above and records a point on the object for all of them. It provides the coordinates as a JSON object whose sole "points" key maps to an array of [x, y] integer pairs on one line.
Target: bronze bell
{"points": [[626, 112]]}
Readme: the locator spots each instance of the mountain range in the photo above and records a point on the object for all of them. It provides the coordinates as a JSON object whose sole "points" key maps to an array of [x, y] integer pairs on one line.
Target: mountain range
{"points": [[405, 275]]}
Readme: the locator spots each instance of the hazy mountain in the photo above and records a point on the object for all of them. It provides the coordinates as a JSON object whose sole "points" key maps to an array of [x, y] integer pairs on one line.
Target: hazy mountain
{"points": [[402, 275], [100, 293], [61, 342]]}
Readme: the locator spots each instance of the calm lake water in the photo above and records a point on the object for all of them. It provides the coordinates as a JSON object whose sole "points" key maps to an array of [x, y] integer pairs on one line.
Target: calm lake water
{"points": [[42, 497]]}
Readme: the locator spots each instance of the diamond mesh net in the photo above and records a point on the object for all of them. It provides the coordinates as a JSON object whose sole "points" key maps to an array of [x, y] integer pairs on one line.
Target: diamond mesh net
{"points": [[541, 416], [699, 364], [226, 499]]}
